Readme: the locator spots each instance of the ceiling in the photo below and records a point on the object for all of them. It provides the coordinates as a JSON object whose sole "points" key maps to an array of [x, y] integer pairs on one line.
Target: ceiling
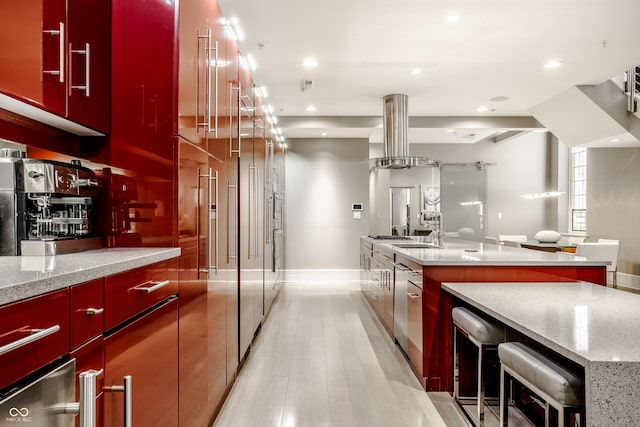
{"points": [[366, 49]]}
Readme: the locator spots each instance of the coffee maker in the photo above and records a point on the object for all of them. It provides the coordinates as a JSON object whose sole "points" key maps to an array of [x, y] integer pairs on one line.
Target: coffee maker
{"points": [[46, 207]]}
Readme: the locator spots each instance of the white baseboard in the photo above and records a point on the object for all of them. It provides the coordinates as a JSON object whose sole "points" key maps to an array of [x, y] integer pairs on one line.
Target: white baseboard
{"points": [[629, 281], [317, 275]]}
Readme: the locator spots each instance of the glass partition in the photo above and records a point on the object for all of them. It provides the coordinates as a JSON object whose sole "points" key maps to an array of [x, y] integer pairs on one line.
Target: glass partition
{"points": [[464, 201]]}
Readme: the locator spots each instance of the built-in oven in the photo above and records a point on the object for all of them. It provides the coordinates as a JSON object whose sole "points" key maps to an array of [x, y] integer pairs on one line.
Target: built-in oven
{"points": [[49, 399]]}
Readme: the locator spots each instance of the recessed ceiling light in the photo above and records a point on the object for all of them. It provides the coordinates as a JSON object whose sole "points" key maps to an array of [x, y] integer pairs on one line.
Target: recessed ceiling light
{"points": [[309, 63], [416, 71], [615, 140], [553, 64], [499, 98], [323, 134], [310, 108], [453, 18], [482, 109], [451, 130]]}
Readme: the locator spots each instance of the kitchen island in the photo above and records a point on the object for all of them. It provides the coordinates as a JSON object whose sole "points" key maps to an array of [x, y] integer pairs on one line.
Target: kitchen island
{"points": [[456, 260], [593, 326]]}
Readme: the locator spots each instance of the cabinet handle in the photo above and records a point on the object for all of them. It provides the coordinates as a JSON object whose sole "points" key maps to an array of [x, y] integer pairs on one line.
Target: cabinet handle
{"points": [[60, 71], [127, 389], [86, 406], [91, 311], [155, 286], [256, 186], [235, 230], [401, 267], [87, 68], [207, 39], [413, 295], [214, 177], [198, 225], [36, 334], [215, 109], [233, 88]]}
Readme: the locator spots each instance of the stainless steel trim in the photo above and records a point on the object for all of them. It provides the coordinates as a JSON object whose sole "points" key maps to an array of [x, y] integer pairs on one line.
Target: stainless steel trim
{"points": [[60, 71], [92, 311], [127, 389], [208, 90], [216, 245], [235, 231], [155, 287], [87, 64], [36, 334], [87, 404], [215, 49], [209, 231], [198, 225], [206, 37], [251, 198], [256, 187]]}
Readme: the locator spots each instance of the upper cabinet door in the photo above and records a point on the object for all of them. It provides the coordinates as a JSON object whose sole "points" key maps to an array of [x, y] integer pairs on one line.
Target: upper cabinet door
{"points": [[89, 59], [57, 57], [201, 38]]}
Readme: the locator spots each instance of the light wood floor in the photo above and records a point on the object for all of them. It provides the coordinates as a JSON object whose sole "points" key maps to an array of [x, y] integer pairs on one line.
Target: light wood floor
{"points": [[323, 359]]}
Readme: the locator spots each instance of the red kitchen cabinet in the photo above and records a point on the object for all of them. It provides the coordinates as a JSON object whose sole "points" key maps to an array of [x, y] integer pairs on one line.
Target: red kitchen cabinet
{"points": [[90, 357], [87, 311], [33, 332], [145, 350], [59, 57], [143, 53]]}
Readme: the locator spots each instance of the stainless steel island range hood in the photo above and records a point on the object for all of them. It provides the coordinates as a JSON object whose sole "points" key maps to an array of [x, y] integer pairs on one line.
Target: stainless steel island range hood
{"points": [[395, 123]]}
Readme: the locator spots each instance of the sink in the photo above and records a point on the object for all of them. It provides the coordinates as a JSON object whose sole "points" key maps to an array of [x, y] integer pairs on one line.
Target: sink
{"points": [[415, 245]]}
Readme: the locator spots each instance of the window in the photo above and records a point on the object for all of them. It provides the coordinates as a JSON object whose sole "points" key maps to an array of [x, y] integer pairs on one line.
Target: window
{"points": [[578, 188]]}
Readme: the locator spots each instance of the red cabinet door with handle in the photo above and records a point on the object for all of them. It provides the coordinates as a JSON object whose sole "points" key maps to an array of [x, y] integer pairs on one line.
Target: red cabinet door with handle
{"points": [[145, 351], [33, 333], [87, 311]]}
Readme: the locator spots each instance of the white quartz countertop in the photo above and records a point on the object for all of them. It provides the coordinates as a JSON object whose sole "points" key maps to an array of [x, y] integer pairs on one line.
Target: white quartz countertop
{"points": [[28, 276], [465, 252], [584, 322]]}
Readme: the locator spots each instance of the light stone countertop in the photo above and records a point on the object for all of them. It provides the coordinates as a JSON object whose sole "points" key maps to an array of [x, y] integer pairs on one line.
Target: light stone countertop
{"points": [[465, 252], [595, 326], [28, 276]]}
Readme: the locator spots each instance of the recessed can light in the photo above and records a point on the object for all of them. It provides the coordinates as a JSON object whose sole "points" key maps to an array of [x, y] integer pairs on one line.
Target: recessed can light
{"points": [[553, 64], [323, 134], [482, 109], [416, 71], [309, 63], [615, 140], [453, 18], [310, 108]]}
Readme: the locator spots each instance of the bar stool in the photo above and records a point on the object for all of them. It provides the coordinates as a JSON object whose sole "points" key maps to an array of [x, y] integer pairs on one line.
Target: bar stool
{"points": [[556, 385], [486, 336]]}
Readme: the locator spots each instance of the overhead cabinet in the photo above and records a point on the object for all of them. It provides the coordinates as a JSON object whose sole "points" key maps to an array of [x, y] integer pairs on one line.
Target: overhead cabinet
{"points": [[56, 58]]}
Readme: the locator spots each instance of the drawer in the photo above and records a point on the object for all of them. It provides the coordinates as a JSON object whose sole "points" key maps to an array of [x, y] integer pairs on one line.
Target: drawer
{"points": [[129, 293], [87, 311], [33, 332]]}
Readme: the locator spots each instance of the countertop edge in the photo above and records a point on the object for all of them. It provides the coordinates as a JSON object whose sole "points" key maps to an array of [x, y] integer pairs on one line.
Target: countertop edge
{"points": [[94, 265], [581, 360]]}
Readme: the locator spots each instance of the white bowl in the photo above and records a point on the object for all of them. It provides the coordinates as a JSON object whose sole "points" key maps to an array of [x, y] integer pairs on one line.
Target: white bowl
{"points": [[547, 236]]}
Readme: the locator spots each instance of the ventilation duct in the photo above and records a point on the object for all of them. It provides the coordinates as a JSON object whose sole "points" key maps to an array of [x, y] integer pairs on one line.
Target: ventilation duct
{"points": [[395, 122]]}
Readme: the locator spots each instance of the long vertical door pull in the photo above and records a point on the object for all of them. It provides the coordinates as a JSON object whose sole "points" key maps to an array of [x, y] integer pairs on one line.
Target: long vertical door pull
{"points": [[214, 177], [127, 389]]}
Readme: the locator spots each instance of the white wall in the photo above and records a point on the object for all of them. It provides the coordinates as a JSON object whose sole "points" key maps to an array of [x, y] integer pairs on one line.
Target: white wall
{"points": [[613, 204], [324, 177]]}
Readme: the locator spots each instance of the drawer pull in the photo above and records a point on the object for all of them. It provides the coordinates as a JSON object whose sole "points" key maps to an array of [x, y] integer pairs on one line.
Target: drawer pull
{"points": [[36, 334], [155, 286], [91, 311], [413, 295]]}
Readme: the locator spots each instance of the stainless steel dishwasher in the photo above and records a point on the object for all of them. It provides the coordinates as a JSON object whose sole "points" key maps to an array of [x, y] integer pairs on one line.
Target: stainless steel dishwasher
{"points": [[405, 272]]}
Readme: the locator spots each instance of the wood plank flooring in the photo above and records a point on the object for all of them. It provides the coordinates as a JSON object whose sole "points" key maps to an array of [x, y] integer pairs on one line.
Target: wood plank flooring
{"points": [[323, 359]]}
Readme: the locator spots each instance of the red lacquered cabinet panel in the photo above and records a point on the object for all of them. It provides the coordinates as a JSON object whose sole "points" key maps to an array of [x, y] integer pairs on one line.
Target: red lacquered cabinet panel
{"points": [[87, 311], [147, 350], [89, 57], [143, 39], [48, 313], [131, 292]]}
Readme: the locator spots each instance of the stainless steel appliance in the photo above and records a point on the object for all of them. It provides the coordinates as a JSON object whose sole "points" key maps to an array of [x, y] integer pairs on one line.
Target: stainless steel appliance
{"points": [[45, 206], [49, 400], [406, 280]]}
